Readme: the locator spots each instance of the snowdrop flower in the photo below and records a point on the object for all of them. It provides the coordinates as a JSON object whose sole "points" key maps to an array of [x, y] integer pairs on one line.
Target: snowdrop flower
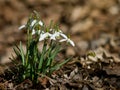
{"points": [[32, 24], [67, 40], [35, 21], [44, 36], [38, 31], [55, 35]]}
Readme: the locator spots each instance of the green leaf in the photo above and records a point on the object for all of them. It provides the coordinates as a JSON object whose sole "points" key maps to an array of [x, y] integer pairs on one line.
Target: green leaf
{"points": [[57, 66], [22, 54], [16, 50], [53, 55], [42, 55]]}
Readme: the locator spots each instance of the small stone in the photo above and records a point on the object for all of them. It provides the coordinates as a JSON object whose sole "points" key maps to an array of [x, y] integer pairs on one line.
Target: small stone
{"points": [[70, 51], [83, 45], [102, 5], [114, 10], [83, 26], [79, 13]]}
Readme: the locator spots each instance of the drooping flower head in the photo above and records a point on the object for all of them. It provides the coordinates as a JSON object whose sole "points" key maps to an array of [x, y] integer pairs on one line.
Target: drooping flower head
{"points": [[67, 39], [53, 32]]}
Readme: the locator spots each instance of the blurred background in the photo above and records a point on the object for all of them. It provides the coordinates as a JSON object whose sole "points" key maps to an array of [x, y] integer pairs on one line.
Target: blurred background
{"points": [[91, 23]]}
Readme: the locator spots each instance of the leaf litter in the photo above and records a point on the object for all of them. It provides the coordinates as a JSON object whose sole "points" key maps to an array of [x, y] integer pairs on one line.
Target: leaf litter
{"points": [[96, 62]]}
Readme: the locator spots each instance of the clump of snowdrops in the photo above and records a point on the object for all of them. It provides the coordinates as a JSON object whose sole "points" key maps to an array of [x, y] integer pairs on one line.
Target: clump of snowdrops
{"points": [[33, 61]]}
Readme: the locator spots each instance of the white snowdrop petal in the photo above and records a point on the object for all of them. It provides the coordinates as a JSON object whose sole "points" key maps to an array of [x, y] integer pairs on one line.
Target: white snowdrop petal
{"points": [[56, 34], [62, 40], [21, 27], [52, 37], [51, 29], [71, 42], [60, 31], [40, 39], [44, 36], [64, 36], [33, 31], [33, 23], [40, 23]]}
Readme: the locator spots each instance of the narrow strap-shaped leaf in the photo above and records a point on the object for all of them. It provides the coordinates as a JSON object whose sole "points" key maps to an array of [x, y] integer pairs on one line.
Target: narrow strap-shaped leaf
{"points": [[55, 52], [42, 56], [22, 54], [17, 52], [56, 67]]}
